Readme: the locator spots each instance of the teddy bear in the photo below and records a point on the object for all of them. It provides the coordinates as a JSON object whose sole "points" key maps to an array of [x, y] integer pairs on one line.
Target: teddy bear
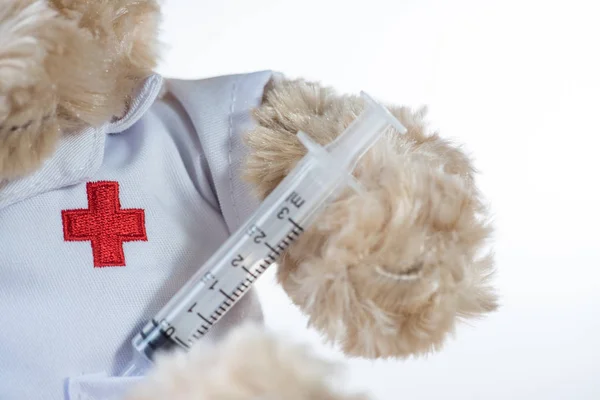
{"points": [[117, 184]]}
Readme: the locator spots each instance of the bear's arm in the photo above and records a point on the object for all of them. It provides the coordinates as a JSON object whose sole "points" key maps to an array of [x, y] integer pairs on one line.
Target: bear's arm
{"points": [[391, 272]]}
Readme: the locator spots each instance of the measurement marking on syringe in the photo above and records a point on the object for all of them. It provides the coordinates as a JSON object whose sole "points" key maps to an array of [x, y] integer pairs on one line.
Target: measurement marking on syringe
{"points": [[245, 284], [250, 272], [199, 332], [253, 275], [273, 250], [264, 266], [226, 295], [296, 225], [181, 342], [204, 319]]}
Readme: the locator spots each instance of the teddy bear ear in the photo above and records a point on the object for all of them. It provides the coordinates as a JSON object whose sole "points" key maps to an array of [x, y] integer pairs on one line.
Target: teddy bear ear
{"points": [[115, 49], [50, 80], [65, 65], [28, 98], [128, 29]]}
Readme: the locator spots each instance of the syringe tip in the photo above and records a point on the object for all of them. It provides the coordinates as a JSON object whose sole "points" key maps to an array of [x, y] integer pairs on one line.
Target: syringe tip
{"points": [[362, 133], [385, 113]]}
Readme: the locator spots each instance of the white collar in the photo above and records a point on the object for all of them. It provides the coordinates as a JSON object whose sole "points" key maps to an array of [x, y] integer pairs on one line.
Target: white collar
{"points": [[79, 156]]}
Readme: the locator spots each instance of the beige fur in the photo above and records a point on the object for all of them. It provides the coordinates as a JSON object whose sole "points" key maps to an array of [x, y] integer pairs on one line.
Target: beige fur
{"points": [[387, 274], [123, 49], [28, 124], [249, 364], [64, 66]]}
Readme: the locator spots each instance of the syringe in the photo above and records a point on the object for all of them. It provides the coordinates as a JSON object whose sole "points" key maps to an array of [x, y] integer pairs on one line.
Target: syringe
{"points": [[281, 218]]}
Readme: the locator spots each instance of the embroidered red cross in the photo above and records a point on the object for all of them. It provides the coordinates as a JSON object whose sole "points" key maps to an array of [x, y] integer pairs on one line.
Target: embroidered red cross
{"points": [[105, 224]]}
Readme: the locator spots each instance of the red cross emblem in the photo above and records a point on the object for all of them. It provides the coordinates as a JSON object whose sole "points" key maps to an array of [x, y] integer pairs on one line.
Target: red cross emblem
{"points": [[105, 224]]}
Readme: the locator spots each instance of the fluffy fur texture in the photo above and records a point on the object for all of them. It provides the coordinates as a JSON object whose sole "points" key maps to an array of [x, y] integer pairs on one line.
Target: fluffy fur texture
{"points": [[250, 363], [66, 64], [123, 38], [390, 272], [28, 123]]}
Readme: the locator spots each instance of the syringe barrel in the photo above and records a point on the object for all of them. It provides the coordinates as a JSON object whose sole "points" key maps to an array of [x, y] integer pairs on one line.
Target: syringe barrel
{"points": [[280, 219], [227, 275]]}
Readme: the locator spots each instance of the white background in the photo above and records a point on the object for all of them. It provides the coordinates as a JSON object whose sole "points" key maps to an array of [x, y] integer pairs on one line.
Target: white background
{"points": [[518, 82]]}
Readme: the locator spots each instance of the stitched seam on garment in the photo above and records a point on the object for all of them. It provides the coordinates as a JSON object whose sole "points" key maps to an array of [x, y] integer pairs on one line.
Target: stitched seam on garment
{"points": [[231, 111], [99, 136]]}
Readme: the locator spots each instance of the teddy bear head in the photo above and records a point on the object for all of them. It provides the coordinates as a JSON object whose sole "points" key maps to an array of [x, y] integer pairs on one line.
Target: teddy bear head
{"points": [[65, 65]]}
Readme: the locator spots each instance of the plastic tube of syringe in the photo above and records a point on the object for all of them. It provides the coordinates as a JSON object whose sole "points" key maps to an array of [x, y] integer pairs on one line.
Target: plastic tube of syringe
{"points": [[282, 217]]}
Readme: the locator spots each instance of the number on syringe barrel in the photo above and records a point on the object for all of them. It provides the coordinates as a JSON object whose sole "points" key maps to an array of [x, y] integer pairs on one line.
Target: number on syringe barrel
{"points": [[237, 260], [165, 328], [295, 199], [257, 234]]}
